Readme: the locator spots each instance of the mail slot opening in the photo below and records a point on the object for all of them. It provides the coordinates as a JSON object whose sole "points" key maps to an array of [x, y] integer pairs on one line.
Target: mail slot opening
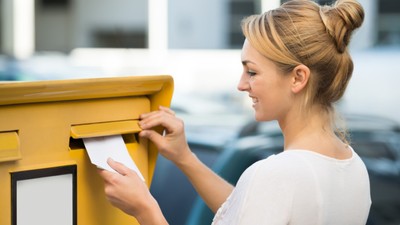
{"points": [[77, 144]]}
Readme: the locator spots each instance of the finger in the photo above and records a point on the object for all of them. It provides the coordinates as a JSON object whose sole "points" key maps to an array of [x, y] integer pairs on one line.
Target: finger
{"points": [[153, 136], [167, 110], [145, 115], [106, 175], [155, 112], [152, 116], [161, 119], [118, 167], [162, 109]]}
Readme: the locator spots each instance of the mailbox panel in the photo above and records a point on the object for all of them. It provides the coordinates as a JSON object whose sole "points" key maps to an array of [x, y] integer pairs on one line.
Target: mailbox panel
{"points": [[42, 123]]}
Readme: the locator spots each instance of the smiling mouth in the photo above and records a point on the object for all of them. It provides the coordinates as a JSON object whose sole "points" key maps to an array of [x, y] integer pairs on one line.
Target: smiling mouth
{"points": [[254, 100]]}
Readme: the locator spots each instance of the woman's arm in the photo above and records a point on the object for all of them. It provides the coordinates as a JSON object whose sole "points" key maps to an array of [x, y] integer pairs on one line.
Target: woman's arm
{"points": [[212, 188], [173, 145]]}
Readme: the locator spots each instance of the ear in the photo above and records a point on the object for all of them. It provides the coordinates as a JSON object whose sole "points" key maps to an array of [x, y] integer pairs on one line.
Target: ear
{"points": [[300, 77]]}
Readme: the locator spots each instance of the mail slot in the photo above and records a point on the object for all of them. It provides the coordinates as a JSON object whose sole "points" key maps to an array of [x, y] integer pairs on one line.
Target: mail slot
{"points": [[42, 125], [129, 130]]}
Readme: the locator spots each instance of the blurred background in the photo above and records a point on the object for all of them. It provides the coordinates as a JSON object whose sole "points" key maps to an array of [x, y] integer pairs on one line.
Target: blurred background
{"points": [[198, 43]]}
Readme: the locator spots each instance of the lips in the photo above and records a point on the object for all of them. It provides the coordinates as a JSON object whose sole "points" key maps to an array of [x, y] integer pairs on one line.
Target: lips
{"points": [[254, 100]]}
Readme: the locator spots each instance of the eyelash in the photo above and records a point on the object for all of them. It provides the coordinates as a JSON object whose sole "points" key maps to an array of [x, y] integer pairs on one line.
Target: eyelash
{"points": [[251, 73]]}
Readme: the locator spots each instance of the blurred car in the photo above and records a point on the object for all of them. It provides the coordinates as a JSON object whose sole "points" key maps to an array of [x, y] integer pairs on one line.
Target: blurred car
{"points": [[375, 139]]}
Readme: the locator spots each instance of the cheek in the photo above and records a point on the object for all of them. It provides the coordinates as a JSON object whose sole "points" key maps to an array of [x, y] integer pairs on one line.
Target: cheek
{"points": [[264, 91], [273, 101]]}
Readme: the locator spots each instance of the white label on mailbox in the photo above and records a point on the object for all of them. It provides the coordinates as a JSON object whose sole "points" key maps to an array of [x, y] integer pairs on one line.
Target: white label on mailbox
{"points": [[101, 148], [45, 200]]}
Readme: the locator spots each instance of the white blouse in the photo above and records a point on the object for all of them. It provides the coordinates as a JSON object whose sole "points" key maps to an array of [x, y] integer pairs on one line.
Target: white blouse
{"points": [[299, 187]]}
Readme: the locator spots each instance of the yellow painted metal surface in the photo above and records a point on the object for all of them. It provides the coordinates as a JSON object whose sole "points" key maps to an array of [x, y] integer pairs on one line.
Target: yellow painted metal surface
{"points": [[9, 146], [40, 123], [105, 129]]}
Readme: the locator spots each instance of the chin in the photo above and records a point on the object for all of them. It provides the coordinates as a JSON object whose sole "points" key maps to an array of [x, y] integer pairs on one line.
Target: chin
{"points": [[261, 117]]}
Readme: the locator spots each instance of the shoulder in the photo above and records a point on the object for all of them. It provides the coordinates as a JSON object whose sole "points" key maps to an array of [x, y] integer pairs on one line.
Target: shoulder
{"points": [[281, 171], [282, 164]]}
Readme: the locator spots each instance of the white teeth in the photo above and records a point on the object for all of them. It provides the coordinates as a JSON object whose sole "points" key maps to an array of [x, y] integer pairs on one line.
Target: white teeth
{"points": [[254, 100]]}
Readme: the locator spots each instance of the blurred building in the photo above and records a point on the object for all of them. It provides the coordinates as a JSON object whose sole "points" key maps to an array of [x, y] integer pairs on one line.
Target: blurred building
{"points": [[198, 42], [63, 25]]}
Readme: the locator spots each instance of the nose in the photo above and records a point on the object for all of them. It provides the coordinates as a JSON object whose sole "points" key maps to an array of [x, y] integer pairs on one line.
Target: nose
{"points": [[243, 84]]}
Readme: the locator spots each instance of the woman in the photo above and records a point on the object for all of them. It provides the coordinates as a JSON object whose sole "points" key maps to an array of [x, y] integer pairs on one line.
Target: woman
{"points": [[296, 65]]}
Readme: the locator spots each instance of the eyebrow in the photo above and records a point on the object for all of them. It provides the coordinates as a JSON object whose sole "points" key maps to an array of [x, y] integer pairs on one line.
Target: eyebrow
{"points": [[245, 62]]}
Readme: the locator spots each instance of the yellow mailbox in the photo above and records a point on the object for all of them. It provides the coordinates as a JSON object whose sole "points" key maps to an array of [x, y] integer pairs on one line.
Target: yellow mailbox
{"points": [[45, 174]]}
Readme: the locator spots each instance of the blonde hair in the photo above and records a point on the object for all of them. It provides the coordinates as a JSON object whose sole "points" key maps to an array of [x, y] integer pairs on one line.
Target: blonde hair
{"points": [[303, 32]]}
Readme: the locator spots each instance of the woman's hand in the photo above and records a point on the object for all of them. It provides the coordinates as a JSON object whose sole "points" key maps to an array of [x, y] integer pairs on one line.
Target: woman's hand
{"points": [[173, 144], [126, 191]]}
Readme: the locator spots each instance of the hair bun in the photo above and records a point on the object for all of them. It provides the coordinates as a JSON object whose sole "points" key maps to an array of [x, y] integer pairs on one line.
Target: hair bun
{"points": [[341, 19]]}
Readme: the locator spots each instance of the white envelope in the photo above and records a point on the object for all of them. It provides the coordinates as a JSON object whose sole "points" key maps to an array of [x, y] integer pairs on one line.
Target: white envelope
{"points": [[101, 148]]}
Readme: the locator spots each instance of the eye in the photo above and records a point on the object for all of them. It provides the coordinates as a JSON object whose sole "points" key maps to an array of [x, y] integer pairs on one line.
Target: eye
{"points": [[251, 73]]}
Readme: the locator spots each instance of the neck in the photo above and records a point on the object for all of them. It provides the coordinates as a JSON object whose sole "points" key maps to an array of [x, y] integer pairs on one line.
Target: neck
{"points": [[299, 128]]}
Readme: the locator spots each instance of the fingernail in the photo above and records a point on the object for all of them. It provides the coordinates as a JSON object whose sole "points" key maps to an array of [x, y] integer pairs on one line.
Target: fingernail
{"points": [[142, 115], [142, 133]]}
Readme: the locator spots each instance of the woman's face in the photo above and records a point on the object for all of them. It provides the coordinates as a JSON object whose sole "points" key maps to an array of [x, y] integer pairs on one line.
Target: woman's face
{"points": [[268, 88]]}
